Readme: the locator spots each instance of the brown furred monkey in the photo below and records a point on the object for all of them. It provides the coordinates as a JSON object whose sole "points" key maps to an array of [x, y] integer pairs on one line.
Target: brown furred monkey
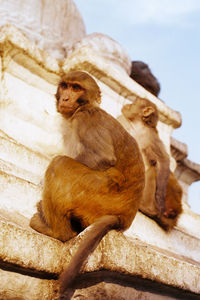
{"points": [[100, 184], [162, 191], [142, 74]]}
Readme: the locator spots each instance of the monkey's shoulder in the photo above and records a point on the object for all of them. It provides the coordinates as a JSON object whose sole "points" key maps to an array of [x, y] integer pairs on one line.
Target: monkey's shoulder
{"points": [[91, 113], [89, 109], [98, 120]]}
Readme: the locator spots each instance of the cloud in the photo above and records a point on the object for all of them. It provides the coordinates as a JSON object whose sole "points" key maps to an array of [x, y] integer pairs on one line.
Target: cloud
{"points": [[126, 14], [156, 11]]}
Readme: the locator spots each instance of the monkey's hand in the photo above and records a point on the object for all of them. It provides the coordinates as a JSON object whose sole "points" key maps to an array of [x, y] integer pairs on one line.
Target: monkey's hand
{"points": [[162, 177]]}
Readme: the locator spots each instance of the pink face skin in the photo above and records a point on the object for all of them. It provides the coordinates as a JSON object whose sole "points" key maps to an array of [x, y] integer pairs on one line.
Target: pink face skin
{"points": [[70, 97]]}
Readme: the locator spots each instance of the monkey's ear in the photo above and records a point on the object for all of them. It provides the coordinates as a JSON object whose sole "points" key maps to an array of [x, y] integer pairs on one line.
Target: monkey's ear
{"points": [[98, 98], [147, 111]]}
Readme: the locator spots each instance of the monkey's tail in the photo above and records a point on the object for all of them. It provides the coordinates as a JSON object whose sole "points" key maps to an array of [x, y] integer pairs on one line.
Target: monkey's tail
{"points": [[90, 241]]}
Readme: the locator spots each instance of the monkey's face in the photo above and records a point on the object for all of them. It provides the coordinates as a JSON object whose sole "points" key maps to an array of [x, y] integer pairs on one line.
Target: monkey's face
{"points": [[130, 111], [69, 97], [141, 109]]}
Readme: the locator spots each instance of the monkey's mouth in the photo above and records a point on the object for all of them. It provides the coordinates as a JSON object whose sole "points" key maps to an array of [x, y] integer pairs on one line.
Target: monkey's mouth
{"points": [[63, 108]]}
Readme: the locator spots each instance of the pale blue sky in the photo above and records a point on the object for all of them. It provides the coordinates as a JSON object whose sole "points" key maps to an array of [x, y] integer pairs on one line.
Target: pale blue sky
{"points": [[166, 35]]}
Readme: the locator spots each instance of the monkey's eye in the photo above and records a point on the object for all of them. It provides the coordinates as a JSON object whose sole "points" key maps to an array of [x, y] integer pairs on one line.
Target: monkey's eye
{"points": [[63, 85], [76, 87]]}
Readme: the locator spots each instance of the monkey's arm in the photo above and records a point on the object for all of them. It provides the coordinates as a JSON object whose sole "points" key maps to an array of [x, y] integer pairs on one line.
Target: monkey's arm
{"points": [[159, 159], [162, 177], [98, 150]]}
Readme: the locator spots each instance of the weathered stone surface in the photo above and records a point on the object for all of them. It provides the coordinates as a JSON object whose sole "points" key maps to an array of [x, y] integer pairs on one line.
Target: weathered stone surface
{"points": [[178, 149], [19, 195], [14, 45], [114, 291], [32, 108], [115, 287], [23, 247], [189, 222], [20, 161], [181, 240], [28, 251], [186, 171], [32, 17], [110, 50], [15, 286]]}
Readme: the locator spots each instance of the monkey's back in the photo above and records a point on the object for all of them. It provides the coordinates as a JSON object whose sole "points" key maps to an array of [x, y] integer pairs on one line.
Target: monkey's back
{"points": [[110, 184], [104, 137]]}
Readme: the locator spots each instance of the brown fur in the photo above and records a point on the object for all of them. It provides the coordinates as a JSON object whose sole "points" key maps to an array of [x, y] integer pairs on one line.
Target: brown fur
{"points": [[142, 74], [162, 193], [102, 185]]}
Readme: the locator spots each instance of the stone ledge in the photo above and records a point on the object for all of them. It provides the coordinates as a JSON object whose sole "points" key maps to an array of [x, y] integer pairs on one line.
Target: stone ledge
{"points": [[116, 253], [188, 171], [179, 150], [179, 240]]}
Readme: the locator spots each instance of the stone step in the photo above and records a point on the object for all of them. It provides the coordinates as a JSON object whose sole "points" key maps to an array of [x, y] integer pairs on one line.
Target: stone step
{"points": [[11, 169], [21, 161], [27, 252], [17, 194]]}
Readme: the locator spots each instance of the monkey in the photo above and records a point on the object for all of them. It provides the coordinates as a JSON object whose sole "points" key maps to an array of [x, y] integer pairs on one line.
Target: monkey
{"points": [[161, 186], [100, 185], [142, 74]]}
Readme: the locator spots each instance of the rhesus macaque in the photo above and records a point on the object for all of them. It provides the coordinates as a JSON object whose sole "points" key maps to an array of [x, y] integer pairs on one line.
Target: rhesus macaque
{"points": [[162, 191], [100, 184], [142, 74]]}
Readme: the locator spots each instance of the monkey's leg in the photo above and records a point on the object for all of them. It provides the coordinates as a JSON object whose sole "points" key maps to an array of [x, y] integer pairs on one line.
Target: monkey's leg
{"points": [[61, 229], [56, 226], [37, 224]]}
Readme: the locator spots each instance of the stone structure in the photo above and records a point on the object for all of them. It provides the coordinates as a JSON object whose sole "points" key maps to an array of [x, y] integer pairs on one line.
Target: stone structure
{"points": [[187, 171], [53, 25], [143, 263]]}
